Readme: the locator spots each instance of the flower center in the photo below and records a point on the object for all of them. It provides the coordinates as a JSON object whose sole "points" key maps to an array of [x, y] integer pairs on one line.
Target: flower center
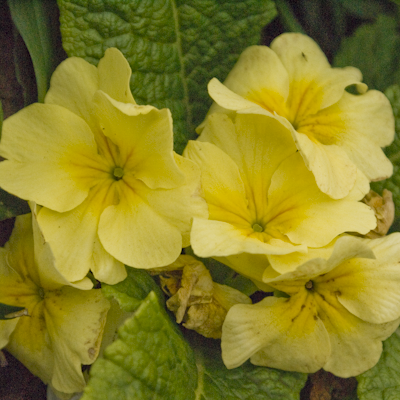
{"points": [[309, 285], [118, 173], [41, 293], [257, 228]]}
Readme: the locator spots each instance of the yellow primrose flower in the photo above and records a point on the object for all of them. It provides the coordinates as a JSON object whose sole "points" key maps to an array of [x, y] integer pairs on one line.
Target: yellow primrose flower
{"points": [[261, 197], [336, 132], [337, 314], [64, 325], [103, 168]]}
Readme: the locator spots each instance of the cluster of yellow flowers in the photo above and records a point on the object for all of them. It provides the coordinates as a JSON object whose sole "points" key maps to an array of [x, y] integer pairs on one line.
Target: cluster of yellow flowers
{"points": [[271, 188]]}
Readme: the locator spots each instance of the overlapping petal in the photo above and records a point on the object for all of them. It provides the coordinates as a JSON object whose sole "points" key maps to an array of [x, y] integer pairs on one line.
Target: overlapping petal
{"points": [[339, 310], [64, 324], [335, 132], [51, 157]]}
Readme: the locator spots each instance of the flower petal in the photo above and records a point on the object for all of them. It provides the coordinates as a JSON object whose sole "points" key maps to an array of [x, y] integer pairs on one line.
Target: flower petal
{"points": [[276, 332], [72, 86], [40, 143], [257, 144], [356, 345], [219, 239], [308, 216], [136, 234], [387, 248], [114, 76], [313, 83], [334, 172], [223, 187], [371, 114], [63, 332], [77, 230], [144, 137]]}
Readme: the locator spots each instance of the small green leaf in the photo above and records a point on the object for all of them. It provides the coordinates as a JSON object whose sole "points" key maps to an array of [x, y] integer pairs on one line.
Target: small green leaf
{"points": [[174, 47], [216, 382], [132, 290], [382, 382], [149, 360], [367, 9], [11, 206], [8, 312], [33, 19], [393, 152], [374, 49]]}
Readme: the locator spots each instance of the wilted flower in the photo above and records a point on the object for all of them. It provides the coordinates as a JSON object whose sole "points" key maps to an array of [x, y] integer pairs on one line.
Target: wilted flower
{"points": [[112, 189], [64, 325], [196, 300], [337, 313], [261, 197], [336, 132]]}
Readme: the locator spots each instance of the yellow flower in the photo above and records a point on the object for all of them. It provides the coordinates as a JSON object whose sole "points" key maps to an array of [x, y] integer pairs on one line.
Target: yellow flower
{"points": [[261, 198], [112, 189], [337, 314], [65, 324], [336, 132]]}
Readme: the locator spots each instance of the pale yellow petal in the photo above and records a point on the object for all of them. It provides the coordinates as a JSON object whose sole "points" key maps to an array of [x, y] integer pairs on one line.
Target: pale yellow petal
{"points": [[136, 234], [6, 329], [144, 136], [257, 144], [73, 85], [72, 235], [51, 157], [105, 267], [114, 76], [369, 125], [314, 84], [63, 332], [226, 98], [356, 345], [258, 68], [277, 333], [289, 262], [223, 187], [307, 216], [334, 172], [387, 248], [219, 239]]}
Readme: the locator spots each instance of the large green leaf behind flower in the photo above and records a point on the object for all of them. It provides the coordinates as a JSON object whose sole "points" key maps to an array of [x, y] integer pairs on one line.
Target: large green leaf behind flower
{"points": [[151, 359], [382, 382], [174, 47]]}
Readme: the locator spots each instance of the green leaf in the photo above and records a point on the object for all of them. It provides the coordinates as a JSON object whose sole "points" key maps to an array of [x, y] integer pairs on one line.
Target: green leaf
{"points": [[382, 382], [246, 382], [174, 47], [393, 152], [367, 9], [132, 290], [33, 19], [149, 360], [374, 49], [11, 206], [6, 311]]}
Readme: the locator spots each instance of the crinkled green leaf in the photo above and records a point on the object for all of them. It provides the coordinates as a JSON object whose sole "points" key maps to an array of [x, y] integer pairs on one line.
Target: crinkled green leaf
{"points": [[174, 47], [33, 19], [6, 311], [374, 49], [11, 206], [246, 382], [149, 360], [382, 382], [393, 152]]}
